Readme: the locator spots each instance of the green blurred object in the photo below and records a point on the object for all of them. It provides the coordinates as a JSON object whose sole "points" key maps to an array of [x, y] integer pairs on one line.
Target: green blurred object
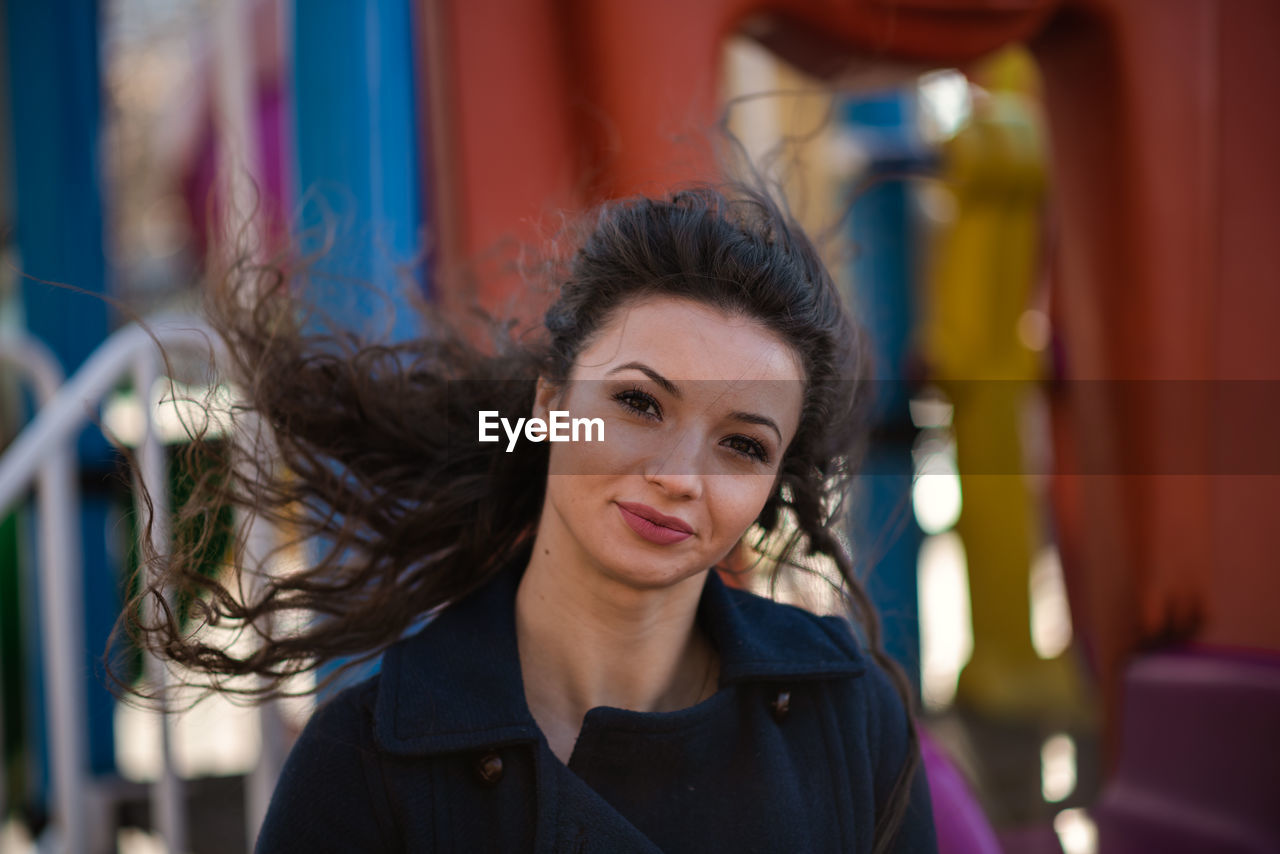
{"points": [[12, 713], [187, 464]]}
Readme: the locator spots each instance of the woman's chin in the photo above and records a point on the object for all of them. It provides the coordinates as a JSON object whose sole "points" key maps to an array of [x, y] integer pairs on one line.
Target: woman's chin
{"points": [[639, 568]]}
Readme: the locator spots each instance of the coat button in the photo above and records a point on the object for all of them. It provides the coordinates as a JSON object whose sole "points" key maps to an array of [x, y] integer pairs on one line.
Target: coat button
{"points": [[781, 706], [489, 768]]}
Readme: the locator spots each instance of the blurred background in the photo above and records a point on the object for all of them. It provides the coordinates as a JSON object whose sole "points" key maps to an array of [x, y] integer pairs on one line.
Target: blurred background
{"points": [[1056, 219]]}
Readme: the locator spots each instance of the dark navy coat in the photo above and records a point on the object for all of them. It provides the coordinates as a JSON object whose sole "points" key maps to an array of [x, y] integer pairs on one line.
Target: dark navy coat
{"points": [[796, 752]]}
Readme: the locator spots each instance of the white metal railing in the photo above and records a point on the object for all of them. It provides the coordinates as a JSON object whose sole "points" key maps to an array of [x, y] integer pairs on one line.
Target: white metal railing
{"points": [[51, 465], [44, 455]]}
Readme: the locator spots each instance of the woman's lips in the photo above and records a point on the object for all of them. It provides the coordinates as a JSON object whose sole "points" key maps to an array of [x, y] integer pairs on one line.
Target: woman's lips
{"points": [[652, 525]]}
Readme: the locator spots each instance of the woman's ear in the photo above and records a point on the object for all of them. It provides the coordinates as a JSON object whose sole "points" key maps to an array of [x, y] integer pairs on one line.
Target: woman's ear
{"points": [[545, 396]]}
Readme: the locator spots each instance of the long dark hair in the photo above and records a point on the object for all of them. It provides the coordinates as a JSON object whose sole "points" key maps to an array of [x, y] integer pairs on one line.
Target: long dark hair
{"points": [[356, 454]]}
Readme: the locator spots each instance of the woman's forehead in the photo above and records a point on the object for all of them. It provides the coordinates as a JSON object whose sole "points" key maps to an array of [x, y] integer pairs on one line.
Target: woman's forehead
{"points": [[687, 340]]}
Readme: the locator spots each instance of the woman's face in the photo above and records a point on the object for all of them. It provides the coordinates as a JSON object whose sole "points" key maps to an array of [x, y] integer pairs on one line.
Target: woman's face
{"points": [[698, 408]]}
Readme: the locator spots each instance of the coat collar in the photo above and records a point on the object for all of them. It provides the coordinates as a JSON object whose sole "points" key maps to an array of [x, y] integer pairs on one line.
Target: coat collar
{"points": [[455, 685]]}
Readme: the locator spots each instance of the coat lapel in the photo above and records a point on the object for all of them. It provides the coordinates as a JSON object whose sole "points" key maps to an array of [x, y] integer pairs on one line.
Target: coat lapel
{"points": [[456, 687], [584, 822]]}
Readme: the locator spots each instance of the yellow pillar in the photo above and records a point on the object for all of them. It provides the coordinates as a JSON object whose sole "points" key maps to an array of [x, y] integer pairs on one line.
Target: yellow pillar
{"points": [[987, 265]]}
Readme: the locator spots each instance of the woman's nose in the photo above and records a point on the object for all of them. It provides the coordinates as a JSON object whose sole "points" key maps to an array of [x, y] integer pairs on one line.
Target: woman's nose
{"points": [[677, 469]]}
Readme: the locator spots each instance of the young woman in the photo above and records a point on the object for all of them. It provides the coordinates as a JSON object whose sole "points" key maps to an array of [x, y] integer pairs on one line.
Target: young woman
{"points": [[585, 680]]}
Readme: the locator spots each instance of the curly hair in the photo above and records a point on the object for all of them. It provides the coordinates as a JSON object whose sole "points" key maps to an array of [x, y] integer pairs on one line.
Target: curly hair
{"points": [[360, 454]]}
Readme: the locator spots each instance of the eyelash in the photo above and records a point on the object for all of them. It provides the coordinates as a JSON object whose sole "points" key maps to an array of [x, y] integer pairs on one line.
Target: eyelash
{"points": [[640, 402], [631, 396], [757, 451]]}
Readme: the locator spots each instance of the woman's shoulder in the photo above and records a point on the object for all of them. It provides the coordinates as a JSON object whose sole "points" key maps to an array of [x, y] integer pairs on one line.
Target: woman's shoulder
{"points": [[341, 728], [331, 795], [347, 706], [825, 653]]}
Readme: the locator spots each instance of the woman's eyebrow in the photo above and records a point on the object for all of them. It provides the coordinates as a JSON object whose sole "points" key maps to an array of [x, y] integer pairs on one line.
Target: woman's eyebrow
{"points": [[667, 385], [753, 418]]}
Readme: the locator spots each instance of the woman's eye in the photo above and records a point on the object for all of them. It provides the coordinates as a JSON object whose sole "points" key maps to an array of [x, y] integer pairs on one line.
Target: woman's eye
{"points": [[747, 447], [640, 403]]}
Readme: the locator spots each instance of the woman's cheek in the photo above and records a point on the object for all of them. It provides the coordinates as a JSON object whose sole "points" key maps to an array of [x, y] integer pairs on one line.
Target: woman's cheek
{"points": [[737, 501], [628, 445]]}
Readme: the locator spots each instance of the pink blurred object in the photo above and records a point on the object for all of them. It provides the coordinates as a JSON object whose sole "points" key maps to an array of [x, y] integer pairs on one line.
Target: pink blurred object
{"points": [[962, 826]]}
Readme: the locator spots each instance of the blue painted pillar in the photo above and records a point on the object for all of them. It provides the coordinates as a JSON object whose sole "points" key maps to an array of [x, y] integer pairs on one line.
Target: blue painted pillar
{"points": [[52, 49], [885, 533], [358, 159], [358, 167]]}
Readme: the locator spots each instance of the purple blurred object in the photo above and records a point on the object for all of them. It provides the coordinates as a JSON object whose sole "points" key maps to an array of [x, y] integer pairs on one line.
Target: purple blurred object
{"points": [[962, 826], [1199, 766]]}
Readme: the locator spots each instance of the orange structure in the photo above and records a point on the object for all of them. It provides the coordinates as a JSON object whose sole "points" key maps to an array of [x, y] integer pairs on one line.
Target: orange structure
{"points": [[540, 105], [1165, 185]]}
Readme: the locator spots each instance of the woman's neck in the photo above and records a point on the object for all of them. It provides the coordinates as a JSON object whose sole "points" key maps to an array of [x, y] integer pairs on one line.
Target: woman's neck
{"points": [[586, 640]]}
